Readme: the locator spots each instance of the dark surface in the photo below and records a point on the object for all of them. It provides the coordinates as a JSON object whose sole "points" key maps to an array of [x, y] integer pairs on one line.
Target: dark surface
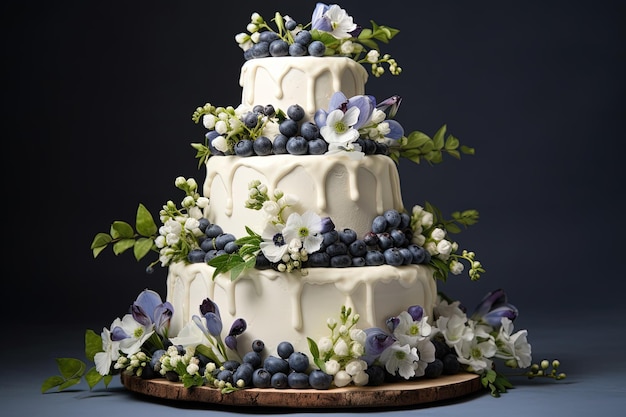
{"points": [[97, 105]]}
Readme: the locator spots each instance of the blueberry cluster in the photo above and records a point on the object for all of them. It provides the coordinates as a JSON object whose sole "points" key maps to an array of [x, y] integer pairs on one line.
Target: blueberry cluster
{"points": [[446, 361], [388, 242], [270, 44], [295, 137], [287, 369]]}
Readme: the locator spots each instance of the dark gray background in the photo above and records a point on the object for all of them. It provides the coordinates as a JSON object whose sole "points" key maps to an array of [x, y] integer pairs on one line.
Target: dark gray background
{"points": [[99, 104]]}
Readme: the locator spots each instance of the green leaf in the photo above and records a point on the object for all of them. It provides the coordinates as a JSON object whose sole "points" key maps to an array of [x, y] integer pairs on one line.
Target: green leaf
{"points": [[123, 245], [97, 251], [93, 344], [145, 222], [51, 382], [142, 247], [208, 352], [69, 383], [120, 229], [93, 377], [70, 367], [101, 240]]}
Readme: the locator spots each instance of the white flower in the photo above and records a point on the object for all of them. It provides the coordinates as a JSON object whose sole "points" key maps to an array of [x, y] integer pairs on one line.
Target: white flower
{"points": [[110, 353], [444, 248], [347, 47], [332, 367], [437, 234], [338, 130], [372, 56], [220, 144], [400, 359], [426, 350], [513, 346], [274, 244], [136, 334], [342, 23], [454, 329], [342, 378], [358, 335], [271, 208], [476, 354], [341, 348], [355, 366], [456, 267], [427, 219], [361, 378], [306, 227], [325, 344], [221, 126], [410, 332], [445, 309], [209, 120]]}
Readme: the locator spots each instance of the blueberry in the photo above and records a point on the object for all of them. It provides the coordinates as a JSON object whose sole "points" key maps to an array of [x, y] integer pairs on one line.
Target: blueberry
{"points": [[297, 145], [269, 110], [358, 248], [382, 148], [405, 221], [210, 254], [231, 247], [330, 237], [296, 49], [398, 237], [261, 262], [262, 146], [385, 241], [434, 369], [336, 249], [316, 48], [288, 127], [268, 36], [347, 236], [251, 119], [374, 258], [253, 358], [393, 218], [223, 239], [279, 380], [298, 361], [261, 50], [303, 37], [419, 253], [368, 146], [244, 148], [257, 109], [358, 261], [319, 379], [295, 112], [309, 130], [280, 144], [213, 230], [284, 349], [393, 257], [318, 260], [274, 364], [290, 24], [376, 375], [207, 244], [258, 345], [196, 256], [379, 224], [340, 261], [407, 256], [370, 239], [225, 375], [261, 378], [279, 48], [231, 365], [244, 373], [318, 146], [451, 365], [298, 380], [203, 223]]}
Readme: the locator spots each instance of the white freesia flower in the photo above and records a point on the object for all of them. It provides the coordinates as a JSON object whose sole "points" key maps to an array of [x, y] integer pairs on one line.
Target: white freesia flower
{"points": [[400, 359], [513, 346], [437, 234], [110, 353], [220, 143]]}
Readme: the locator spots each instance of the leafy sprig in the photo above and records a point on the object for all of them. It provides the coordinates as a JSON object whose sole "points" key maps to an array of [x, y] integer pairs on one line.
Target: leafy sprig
{"points": [[241, 260], [418, 146]]}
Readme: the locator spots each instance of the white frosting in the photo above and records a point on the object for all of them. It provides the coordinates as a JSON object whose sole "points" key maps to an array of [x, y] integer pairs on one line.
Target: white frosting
{"points": [[350, 192], [307, 81], [292, 306]]}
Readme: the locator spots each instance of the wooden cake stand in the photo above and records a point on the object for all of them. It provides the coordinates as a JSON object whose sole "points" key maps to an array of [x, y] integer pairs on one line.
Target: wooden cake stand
{"points": [[397, 394]]}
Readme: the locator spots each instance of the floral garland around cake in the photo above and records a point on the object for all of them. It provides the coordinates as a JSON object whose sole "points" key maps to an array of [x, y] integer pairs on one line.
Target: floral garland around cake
{"points": [[411, 346]]}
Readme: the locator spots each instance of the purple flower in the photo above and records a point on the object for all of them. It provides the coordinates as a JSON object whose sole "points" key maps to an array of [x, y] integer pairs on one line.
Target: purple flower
{"points": [[338, 101], [149, 309], [416, 312], [390, 105], [238, 327], [211, 313], [493, 307], [376, 341]]}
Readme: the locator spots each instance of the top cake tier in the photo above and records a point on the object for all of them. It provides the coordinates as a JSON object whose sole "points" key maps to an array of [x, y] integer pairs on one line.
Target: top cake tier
{"points": [[307, 81]]}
